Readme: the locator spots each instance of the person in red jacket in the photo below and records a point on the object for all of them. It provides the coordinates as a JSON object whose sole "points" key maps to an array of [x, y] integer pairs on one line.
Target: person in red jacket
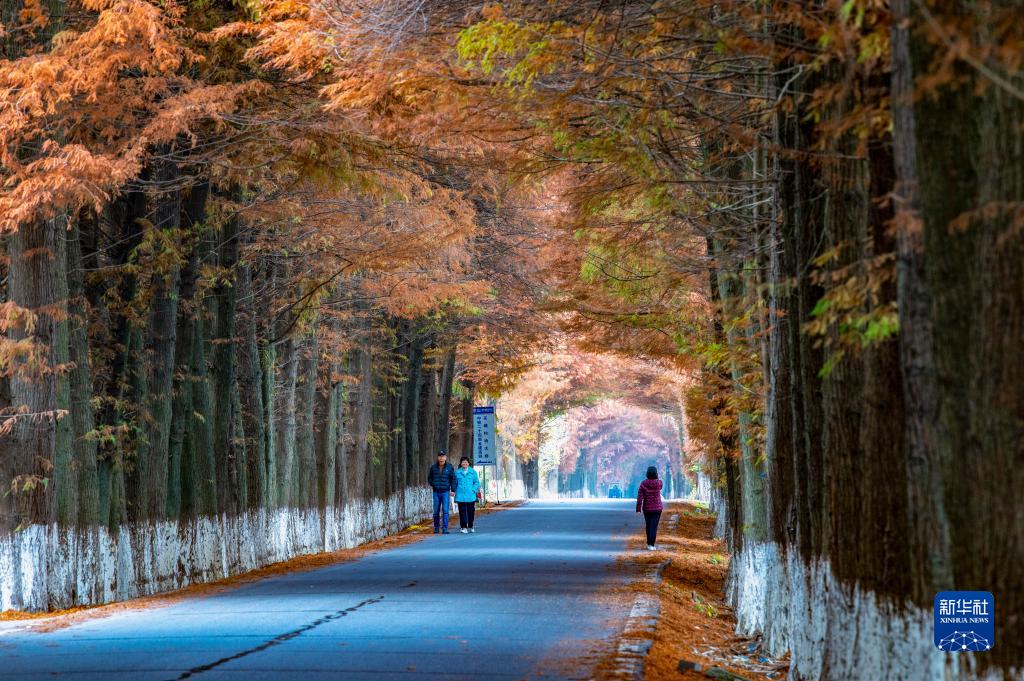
{"points": [[648, 500]]}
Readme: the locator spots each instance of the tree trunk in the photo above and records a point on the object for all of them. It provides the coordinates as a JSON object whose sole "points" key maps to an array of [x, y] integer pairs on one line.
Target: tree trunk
{"points": [[326, 416], [305, 483], [251, 392], [81, 384], [411, 409], [445, 408], [961, 298], [268, 363], [117, 419], [202, 488], [428, 423], [801, 205], [230, 458], [363, 414], [930, 541], [286, 422], [193, 211], [341, 448], [149, 479], [37, 470]]}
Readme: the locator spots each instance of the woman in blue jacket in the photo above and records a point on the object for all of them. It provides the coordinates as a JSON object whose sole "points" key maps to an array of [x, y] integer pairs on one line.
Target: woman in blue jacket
{"points": [[467, 486]]}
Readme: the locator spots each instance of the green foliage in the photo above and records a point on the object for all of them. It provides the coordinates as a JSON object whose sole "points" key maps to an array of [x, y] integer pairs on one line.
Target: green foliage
{"points": [[705, 608], [460, 390], [853, 313], [527, 47], [160, 251], [378, 441], [461, 307]]}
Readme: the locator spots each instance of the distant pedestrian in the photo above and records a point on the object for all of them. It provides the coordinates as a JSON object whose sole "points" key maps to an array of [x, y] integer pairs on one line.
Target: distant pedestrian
{"points": [[467, 487], [648, 500], [441, 479]]}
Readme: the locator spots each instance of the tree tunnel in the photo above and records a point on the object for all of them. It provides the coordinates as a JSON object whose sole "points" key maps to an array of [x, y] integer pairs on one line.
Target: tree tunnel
{"points": [[611, 444], [581, 424]]}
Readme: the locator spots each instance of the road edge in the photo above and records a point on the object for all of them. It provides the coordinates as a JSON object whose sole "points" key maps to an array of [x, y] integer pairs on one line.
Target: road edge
{"points": [[638, 633]]}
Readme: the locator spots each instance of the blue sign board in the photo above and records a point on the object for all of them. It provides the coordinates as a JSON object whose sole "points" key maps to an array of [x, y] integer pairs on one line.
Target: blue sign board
{"points": [[484, 451], [964, 621]]}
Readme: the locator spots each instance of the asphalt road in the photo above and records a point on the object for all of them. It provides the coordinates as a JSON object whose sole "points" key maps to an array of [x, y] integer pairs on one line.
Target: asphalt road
{"points": [[526, 597]]}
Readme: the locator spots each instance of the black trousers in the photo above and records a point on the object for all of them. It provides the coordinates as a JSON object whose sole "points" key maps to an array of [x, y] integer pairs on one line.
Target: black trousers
{"points": [[467, 511], [651, 519]]}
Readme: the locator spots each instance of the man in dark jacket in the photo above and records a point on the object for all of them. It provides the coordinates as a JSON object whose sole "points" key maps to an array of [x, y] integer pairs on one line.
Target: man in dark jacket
{"points": [[441, 479]]}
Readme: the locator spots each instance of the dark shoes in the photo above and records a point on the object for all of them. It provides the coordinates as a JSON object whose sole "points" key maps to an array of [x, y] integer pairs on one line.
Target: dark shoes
{"points": [[444, 531], [436, 530]]}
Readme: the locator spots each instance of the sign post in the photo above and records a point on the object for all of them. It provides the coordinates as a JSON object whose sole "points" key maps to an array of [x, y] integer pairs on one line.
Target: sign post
{"points": [[484, 452]]}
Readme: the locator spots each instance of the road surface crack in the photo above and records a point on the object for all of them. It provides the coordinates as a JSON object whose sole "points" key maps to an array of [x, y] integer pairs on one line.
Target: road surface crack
{"points": [[277, 639]]}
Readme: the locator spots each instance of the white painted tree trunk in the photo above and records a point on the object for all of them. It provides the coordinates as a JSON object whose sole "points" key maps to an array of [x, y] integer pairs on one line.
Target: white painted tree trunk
{"points": [[46, 567], [833, 631]]}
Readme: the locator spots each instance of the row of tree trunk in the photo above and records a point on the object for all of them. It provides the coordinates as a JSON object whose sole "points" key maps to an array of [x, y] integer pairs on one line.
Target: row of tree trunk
{"points": [[162, 375], [899, 464]]}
